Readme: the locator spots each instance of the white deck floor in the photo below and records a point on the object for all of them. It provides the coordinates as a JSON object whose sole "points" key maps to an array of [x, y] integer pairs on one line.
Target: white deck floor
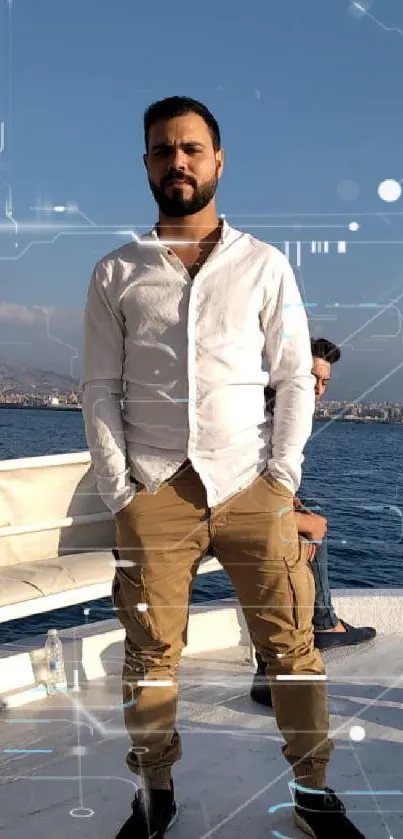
{"points": [[76, 785]]}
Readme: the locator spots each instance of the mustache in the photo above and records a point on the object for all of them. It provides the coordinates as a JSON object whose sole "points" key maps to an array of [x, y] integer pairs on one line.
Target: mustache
{"points": [[178, 176]]}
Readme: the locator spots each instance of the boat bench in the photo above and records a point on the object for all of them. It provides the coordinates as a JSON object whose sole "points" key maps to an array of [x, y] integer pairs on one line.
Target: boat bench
{"points": [[29, 588], [56, 536]]}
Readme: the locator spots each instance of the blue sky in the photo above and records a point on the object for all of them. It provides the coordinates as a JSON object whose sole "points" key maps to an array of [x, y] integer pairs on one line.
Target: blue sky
{"points": [[308, 96]]}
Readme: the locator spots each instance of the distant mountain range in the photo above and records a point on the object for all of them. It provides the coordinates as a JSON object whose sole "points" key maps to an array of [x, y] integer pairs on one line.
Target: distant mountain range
{"points": [[19, 378]]}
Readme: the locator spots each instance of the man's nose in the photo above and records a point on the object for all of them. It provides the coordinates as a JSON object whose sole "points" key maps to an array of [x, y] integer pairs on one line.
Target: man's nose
{"points": [[178, 159]]}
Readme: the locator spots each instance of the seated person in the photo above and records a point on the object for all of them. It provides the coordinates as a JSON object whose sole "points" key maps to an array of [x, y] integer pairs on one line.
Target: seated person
{"points": [[330, 631]]}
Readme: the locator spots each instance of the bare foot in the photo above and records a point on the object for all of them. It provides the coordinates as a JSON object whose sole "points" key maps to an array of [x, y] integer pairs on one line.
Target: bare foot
{"points": [[338, 628]]}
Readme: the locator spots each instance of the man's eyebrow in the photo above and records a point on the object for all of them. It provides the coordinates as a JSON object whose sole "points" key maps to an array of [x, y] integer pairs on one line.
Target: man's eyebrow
{"points": [[167, 145]]}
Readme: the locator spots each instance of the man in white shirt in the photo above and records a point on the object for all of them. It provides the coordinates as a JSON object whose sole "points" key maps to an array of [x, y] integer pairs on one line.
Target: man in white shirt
{"points": [[176, 327]]}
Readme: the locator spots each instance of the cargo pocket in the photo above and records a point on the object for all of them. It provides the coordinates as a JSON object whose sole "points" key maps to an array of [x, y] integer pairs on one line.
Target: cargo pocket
{"points": [[129, 595], [302, 589]]}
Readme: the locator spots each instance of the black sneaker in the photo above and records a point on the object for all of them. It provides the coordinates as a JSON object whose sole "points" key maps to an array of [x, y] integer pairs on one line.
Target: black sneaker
{"points": [[323, 816], [260, 691], [150, 818]]}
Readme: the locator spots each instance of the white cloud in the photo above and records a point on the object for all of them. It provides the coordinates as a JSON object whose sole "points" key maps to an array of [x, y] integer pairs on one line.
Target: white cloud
{"points": [[15, 313], [18, 314]]}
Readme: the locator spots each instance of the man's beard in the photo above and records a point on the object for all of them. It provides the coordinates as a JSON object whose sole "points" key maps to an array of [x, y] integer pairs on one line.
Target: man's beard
{"points": [[176, 205]]}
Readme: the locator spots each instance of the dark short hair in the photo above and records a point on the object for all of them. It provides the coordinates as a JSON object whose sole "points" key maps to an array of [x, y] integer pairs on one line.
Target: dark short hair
{"points": [[178, 106], [322, 348]]}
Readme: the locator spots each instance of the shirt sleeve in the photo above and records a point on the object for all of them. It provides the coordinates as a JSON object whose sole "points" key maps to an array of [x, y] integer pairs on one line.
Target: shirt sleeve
{"points": [[289, 357], [102, 391]]}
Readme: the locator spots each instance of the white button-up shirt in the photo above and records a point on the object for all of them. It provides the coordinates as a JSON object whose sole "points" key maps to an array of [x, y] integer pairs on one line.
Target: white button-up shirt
{"points": [[174, 368]]}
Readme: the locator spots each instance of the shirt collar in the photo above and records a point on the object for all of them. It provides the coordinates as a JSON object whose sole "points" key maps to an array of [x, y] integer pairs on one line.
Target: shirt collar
{"points": [[152, 235]]}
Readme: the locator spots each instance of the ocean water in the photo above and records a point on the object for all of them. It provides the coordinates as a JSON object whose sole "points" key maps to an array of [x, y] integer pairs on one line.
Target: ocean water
{"points": [[354, 471]]}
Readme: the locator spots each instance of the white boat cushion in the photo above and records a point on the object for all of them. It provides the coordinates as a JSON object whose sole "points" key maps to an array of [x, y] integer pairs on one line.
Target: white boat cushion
{"points": [[28, 580]]}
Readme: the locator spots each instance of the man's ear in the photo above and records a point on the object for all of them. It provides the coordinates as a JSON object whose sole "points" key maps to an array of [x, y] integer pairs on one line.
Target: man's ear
{"points": [[145, 159], [220, 162]]}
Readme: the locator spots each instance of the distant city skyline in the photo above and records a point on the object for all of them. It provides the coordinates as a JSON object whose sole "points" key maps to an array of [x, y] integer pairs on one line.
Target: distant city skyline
{"points": [[313, 159], [10, 387]]}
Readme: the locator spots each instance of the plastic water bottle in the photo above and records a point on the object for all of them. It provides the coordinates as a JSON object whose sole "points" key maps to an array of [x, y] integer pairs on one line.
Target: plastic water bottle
{"points": [[56, 681]]}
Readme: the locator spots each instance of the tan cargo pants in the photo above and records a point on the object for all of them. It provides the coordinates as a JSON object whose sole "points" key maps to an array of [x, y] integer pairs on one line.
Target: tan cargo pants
{"points": [[160, 539]]}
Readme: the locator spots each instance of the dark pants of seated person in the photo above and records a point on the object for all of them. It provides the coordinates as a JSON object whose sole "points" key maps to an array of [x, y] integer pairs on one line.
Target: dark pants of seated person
{"points": [[324, 615]]}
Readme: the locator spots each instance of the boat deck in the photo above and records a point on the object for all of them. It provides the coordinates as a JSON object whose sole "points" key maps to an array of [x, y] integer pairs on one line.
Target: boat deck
{"points": [[63, 770]]}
